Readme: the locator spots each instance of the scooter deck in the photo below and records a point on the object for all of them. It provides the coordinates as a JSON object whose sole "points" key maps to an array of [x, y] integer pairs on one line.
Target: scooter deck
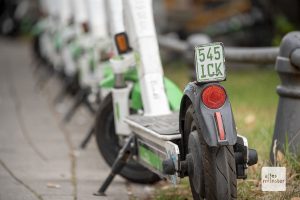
{"points": [[165, 127]]}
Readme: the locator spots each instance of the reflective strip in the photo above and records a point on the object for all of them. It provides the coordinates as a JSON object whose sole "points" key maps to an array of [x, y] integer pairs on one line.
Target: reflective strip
{"points": [[220, 127]]}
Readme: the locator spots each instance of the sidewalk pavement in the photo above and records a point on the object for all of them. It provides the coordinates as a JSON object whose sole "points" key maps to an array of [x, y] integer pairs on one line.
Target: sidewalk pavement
{"points": [[39, 155]]}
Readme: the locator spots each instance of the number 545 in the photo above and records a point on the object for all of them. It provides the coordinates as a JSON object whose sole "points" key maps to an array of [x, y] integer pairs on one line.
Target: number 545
{"points": [[216, 54]]}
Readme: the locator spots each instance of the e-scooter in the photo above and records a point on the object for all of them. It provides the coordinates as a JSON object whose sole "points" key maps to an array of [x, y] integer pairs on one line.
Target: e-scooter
{"points": [[91, 65], [44, 36], [200, 141], [37, 31], [52, 35], [125, 98], [77, 47]]}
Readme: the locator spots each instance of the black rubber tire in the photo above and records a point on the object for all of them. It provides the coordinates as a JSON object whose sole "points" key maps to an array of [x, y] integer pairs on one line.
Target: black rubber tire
{"points": [[217, 164], [108, 145]]}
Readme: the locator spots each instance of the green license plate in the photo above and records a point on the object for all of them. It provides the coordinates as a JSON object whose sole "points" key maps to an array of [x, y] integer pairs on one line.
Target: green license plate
{"points": [[210, 62]]}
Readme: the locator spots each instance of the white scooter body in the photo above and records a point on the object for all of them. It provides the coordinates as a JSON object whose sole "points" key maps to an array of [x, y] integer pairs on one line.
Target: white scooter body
{"points": [[139, 25], [95, 42], [63, 32], [47, 47], [56, 25], [142, 36], [120, 66], [92, 14], [149, 65], [79, 12]]}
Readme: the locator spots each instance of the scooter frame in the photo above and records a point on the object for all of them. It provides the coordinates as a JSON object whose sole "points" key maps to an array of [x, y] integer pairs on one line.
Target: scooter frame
{"points": [[167, 147]]}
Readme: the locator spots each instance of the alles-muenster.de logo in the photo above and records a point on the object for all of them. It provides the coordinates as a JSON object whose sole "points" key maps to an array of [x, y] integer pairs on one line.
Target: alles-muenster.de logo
{"points": [[273, 178]]}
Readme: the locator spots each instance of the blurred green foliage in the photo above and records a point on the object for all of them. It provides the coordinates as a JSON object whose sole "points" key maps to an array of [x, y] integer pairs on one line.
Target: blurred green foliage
{"points": [[282, 26]]}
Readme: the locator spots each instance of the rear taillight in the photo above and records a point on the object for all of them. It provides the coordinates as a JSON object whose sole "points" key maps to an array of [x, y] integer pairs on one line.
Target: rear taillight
{"points": [[213, 96]]}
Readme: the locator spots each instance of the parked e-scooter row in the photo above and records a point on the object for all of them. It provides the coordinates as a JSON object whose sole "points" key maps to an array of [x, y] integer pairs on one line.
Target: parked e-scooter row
{"points": [[200, 138], [146, 128], [73, 42], [74, 39]]}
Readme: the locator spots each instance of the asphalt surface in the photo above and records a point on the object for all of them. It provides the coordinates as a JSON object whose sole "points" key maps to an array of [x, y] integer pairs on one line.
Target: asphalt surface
{"points": [[39, 155]]}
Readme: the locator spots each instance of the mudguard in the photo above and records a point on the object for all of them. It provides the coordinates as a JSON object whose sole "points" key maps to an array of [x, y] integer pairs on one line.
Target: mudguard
{"points": [[174, 94], [206, 116]]}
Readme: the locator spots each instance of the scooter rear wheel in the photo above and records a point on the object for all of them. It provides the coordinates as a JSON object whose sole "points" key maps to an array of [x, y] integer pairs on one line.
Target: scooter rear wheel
{"points": [[108, 145], [211, 170]]}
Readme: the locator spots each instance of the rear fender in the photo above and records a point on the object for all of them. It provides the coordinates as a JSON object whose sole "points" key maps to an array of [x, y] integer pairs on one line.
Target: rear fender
{"points": [[206, 117], [174, 94]]}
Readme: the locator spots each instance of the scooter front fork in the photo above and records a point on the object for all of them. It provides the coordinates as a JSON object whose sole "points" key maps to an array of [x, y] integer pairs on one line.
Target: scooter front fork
{"points": [[121, 109], [121, 92]]}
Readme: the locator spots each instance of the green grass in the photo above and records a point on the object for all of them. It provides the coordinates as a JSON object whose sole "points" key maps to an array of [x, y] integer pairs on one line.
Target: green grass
{"points": [[254, 100]]}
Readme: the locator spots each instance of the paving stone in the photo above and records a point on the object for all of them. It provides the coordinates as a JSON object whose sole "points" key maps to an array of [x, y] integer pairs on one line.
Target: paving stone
{"points": [[11, 189], [34, 144]]}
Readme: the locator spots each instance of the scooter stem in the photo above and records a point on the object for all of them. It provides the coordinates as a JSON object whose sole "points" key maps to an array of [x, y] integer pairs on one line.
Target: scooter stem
{"points": [[142, 36]]}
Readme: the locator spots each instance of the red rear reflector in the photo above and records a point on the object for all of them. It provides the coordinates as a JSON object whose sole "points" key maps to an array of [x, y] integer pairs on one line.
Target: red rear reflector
{"points": [[213, 96], [220, 127]]}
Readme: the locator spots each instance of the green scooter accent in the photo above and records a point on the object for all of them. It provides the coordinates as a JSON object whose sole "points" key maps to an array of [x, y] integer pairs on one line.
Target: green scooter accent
{"points": [[76, 50], [38, 28], [174, 94], [58, 43]]}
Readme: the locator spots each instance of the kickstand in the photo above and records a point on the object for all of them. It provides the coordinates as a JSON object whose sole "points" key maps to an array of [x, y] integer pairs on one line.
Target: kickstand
{"points": [[79, 99], [38, 67], [89, 106], [61, 95], [124, 154], [87, 138]]}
